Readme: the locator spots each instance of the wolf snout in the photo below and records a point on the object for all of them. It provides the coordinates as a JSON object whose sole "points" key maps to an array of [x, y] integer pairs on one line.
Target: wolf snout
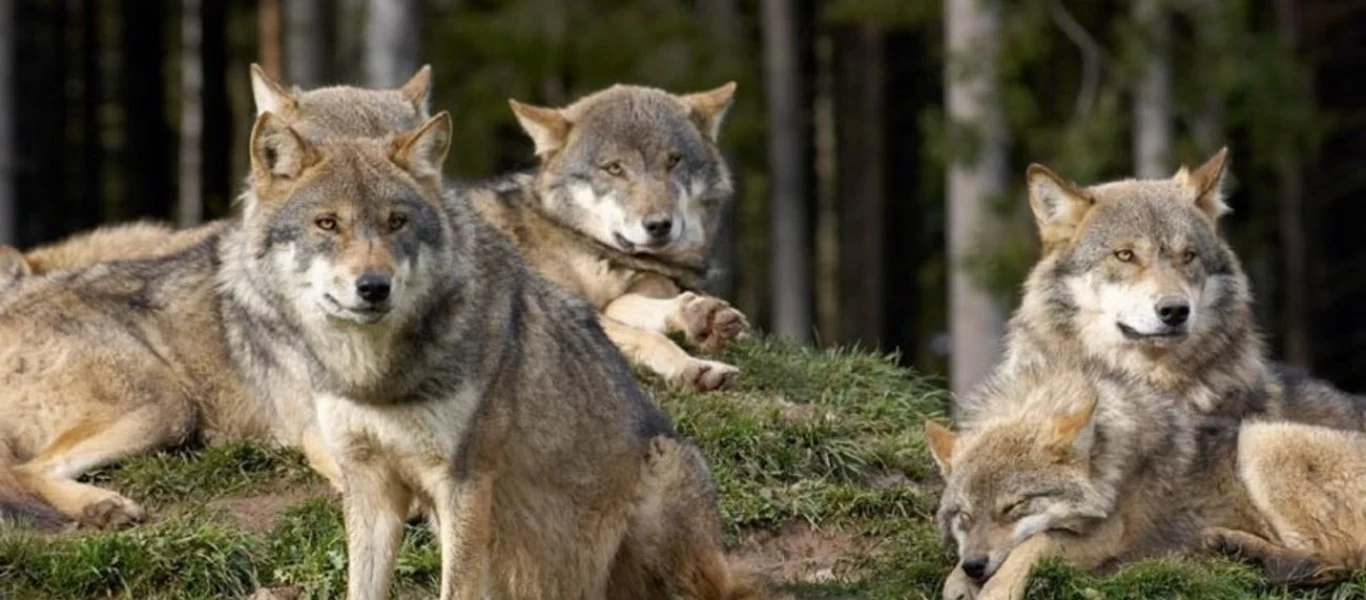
{"points": [[1173, 311], [373, 287], [658, 226], [975, 567]]}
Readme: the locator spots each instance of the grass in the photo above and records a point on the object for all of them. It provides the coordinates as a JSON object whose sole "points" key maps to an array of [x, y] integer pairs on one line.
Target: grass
{"points": [[821, 447]]}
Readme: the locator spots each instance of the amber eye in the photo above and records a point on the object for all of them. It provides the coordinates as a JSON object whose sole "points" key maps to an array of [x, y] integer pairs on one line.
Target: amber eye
{"points": [[326, 224], [1125, 255], [396, 222], [613, 168], [674, 159], [1188, 256]]}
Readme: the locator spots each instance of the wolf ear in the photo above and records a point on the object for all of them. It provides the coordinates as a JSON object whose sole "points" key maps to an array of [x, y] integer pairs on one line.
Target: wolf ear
{"points": [[941, 441], [12, 265], [423, 150], [1207, 183], [1074, 432], [1057, 203], [268, 94], [548, 127], [709, 108], [418, 88], [277, 151]]}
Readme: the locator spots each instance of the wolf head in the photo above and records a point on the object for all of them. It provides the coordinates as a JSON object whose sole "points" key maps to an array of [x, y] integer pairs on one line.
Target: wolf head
{"points": [[349, 230], [1135, 268], [635, 168], [1018, 476], [344, 110]]}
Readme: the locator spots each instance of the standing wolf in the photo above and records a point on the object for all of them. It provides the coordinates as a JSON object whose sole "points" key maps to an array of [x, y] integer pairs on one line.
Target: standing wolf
{"points": [[101, 359], [443, 371], [623, 212], [1136, 277], [1093, 469]]}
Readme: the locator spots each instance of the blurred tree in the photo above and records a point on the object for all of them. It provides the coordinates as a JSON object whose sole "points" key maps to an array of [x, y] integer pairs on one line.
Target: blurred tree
{"points": [[1152, 94], [308, 42], [976, 179], [862, 182], [8, 210], [1296, 326], [393, 41], [148, 153], [190, 209], [789, 208], [268, 37]]}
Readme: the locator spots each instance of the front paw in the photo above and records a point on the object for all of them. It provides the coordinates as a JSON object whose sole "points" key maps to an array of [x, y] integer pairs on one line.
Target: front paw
{"points": [[710, 322], [960, 587], [706, 375]]}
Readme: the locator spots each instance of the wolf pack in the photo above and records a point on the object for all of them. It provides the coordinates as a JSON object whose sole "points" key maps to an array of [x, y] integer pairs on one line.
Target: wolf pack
{"points": [[461, 352]]}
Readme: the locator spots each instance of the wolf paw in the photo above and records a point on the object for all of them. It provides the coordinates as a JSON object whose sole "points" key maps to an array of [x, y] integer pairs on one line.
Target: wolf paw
{"points": [[711, 322], [115, 512], [707, 375]]}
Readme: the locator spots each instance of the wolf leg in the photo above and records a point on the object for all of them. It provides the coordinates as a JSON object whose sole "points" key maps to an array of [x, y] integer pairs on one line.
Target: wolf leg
{"points": [[959, 586], [704, 320], [1282, 565], [1011, 581], [92, 443], [375, 503], [464, 523], [659, 354]]}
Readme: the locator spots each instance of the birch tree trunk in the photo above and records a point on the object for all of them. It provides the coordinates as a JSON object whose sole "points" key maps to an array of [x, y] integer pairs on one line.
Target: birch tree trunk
{"points": [[393, 42], [307, 36], [190, 208], [1153, 95], [977, 173]]}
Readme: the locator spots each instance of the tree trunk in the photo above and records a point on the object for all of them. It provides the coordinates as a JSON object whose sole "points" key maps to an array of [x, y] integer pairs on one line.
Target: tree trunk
{"points": [[790, 242], [268, 36], [1152, 95], [1296, 263], [148, 152], [190, 210], [722, 24], [9, 229], [861, 196], [393, 42], [977, 174], [219, 180], [308, 37]]}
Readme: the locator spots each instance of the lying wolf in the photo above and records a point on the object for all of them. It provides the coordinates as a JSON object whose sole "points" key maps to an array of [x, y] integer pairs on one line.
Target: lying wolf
{"points": [[1136, 277], [1076, 464]]}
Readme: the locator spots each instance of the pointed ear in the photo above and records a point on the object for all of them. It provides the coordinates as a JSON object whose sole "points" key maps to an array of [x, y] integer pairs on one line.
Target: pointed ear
{"points": [[709, 108], [277, 151], [1074, 432], [1057, 203], [12, 265], [1207, 183], [268, 94], [941, 441], [423, 150], [548, 127], [418, 88]]}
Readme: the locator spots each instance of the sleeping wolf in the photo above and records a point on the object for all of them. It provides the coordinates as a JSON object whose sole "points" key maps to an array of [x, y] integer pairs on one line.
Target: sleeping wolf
{"points": [[1136, 277], [100, 362], [1100, 472], [443, 371], [623, 212]]}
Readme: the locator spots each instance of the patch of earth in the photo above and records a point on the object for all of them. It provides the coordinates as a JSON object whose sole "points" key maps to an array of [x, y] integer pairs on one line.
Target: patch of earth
{"points": [[258, 513], [795, 552]]}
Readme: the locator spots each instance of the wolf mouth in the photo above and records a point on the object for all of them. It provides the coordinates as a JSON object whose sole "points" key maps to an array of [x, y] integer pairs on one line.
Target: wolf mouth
{"points": [[364, 314], [630, 247], [1165, 334]]}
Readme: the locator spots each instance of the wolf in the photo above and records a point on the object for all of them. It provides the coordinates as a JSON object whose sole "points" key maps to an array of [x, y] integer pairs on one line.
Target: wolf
{"points": [[1099, 472], [443, 370], [103, 361], [1135, 276], [623, 212], [320, 111]]}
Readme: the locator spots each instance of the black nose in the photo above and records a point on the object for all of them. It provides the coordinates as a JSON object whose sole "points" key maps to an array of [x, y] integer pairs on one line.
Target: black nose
{"points": [[659, 227], [975, 567], [1173, 311], [373, 287]]}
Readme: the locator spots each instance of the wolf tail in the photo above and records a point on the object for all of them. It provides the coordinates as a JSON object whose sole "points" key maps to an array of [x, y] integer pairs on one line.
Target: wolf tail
{"points": [[20, 506], [676, 531]]}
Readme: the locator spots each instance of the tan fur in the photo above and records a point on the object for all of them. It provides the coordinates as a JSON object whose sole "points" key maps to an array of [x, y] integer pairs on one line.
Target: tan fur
{"points": [[80, 388]]}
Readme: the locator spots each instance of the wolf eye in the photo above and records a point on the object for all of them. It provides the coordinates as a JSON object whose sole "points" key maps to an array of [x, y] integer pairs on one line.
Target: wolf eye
{"points": [[674, 159], [396, 222], [613, 168], [326, 223], [1125, 255], [1187, 256]]}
